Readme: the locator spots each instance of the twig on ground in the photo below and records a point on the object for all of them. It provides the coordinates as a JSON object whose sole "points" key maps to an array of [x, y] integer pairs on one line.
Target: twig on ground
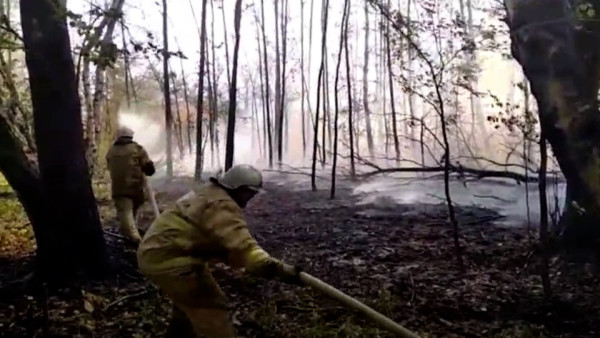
{"points": [[126, 297]]}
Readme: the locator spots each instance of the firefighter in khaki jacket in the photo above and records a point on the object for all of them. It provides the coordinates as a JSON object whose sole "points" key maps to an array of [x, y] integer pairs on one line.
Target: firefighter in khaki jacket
{"points": [[206, 225], [129, 164]]}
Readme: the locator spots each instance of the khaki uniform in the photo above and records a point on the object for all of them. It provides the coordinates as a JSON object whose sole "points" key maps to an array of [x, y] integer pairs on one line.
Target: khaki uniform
{"points": [[129, 164], [204, 226]]}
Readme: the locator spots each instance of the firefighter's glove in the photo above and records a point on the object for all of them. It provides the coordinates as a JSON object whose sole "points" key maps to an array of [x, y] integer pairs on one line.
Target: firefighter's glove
{"points": [[291, 274]]}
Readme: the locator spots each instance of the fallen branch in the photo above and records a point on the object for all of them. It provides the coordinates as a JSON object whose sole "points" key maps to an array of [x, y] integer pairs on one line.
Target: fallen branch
{"points": [[124, 298], [461, 171]]}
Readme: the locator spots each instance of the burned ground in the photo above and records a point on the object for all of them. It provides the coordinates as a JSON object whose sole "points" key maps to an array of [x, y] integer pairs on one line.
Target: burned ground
{"points": [[398, 260]]}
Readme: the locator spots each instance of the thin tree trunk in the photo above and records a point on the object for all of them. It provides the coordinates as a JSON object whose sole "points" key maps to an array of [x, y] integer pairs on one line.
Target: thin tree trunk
{"points": [[267, 86], [108, 54], [226, 42], [188, 114], [309, 81], [126, 64], [391, 85], [302, 70], [349, 92], [284, 21], [313, 178], [200, 102], [324, 85], [336, 100], [167, 92], [230, 147], [544, 273], [411, 97], [278, 76], [366, 84], [262, 85], [179, 128]]}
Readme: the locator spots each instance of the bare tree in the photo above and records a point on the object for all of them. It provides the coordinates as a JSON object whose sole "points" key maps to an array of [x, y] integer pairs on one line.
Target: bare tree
{"points": [[349, 92], [313, 177], [282, 97], [388, 50], [366, 84], [278, 76], [226, 42], [544, 238], [179, 124], [302, 89], [267, 86], [167, 92], [200, 102], [336, 98], [230, 147]]}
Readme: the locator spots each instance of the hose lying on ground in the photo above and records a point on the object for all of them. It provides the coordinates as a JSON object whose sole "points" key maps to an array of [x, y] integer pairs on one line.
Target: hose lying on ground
{"points": [[375, 316]]}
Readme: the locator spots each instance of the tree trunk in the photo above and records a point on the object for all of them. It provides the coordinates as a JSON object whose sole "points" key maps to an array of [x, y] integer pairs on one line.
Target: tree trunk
{"points": [[200, 102], [391, 85], [267, 85], [226, 42], [126, 62], [349, 92], [263, 90], [284, 22], [313, 177], [336, 99], [188, 114], [278, 76], [215, 106], [62, 207], [564, 80], [544, 273], [230, 147], [179, 120], [325, 84], [411, 96], [302, 89], [107, 56], [366, 84], [167, 91]]}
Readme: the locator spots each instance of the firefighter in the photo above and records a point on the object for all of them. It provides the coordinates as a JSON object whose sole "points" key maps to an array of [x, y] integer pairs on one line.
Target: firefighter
{"points": [[207, 225], [129, 164]]}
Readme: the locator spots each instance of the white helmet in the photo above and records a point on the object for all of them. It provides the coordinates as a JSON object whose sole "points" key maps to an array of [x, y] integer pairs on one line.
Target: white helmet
{"points": [[124, 131], [241, 175]]}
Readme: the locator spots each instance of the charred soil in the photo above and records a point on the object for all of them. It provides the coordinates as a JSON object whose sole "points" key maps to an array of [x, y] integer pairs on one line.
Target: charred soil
{"points": [[398, 260]]}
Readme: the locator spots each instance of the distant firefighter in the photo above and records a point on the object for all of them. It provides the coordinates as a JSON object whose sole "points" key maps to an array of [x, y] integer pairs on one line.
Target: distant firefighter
{"points": [[129, 164]]}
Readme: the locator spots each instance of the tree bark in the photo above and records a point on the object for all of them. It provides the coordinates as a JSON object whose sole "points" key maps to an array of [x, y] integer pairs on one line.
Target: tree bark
{"points": [[558, 54], [337, 100], [388, 51], [365, 83], [278, 76], [230, 147], [313, 177], [167, 91], [349, 92], [200, 105], [302, 90], [62, 207], [267, 85]]}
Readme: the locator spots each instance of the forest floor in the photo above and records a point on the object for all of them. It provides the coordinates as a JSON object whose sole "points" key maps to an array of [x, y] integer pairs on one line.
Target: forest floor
{"points": [[400, 261]]}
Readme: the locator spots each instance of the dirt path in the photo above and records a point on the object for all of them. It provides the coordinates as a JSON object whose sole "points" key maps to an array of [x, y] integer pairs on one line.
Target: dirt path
{"points": [[402, 266]]}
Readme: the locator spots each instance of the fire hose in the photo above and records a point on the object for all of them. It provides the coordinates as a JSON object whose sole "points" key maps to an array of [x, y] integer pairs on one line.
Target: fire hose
{"points": [[353, 303], [152, 198]]}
